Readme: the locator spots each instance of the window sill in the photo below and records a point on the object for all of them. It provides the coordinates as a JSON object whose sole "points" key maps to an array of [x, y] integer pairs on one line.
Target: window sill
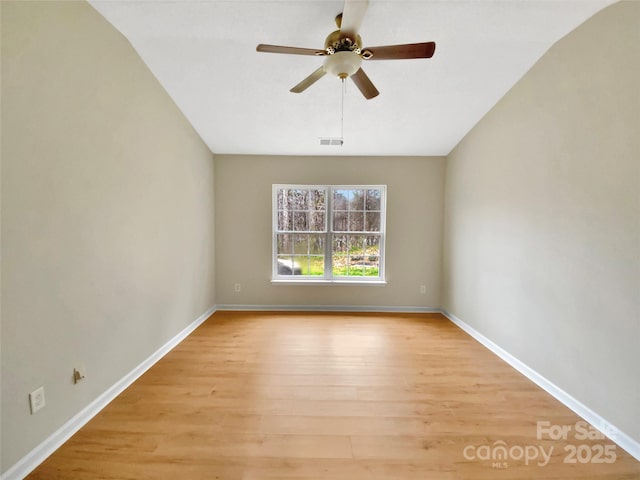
{"points": [[328, 282]]}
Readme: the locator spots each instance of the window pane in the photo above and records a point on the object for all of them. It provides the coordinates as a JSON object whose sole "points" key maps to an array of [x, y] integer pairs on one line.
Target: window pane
{"points": [[372, 266], [316, 200], [301, 221], [316, 265], [372, 246], [281, 199], [340, 255], [340, 244], [285, 221], [356, 270], [356, 200], [316, 244], [356, 221], [341, 200], [340, 222], [302, 262], [291, 199], [316, 222], [356, 245], [356, 255], [300, 244], [372, 222], [298, 199], [285, 244], [287, 266], [340, 265], [373, 199]]}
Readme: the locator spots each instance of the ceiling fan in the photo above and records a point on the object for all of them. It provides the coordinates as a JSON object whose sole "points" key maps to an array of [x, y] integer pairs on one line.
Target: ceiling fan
{"points": [[343, 51]]}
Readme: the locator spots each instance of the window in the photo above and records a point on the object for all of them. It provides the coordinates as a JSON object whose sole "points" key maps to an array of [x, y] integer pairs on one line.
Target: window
{"points": [[328, 233]]}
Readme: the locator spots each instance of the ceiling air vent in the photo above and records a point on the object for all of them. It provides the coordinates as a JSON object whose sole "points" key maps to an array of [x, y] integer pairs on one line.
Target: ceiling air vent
{"points": [[332, 141]]}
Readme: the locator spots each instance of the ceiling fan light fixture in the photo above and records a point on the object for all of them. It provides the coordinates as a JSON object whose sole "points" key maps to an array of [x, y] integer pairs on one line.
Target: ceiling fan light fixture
{"points": [[342, 64]]}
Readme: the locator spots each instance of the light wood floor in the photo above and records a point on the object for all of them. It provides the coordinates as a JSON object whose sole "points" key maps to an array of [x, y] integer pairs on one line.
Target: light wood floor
{"points": [[332, 397]]}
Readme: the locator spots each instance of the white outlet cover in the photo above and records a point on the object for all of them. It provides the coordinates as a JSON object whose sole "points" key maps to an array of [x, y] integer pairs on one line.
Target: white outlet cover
{"points": [[36, 400]]}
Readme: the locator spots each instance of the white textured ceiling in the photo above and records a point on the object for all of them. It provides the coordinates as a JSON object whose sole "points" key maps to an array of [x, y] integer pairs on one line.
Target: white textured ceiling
{"points": [[203, 52]]}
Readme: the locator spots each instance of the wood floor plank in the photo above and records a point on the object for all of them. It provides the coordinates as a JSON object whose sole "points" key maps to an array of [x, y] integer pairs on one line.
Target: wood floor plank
{"points": [[302, 396], [341, 425]]}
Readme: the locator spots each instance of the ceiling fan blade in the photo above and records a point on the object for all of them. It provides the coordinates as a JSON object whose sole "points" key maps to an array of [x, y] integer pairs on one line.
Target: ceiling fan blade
{"points": [[352, 15], [363, 83], [290, 50], [310, 80], [398, 52]]}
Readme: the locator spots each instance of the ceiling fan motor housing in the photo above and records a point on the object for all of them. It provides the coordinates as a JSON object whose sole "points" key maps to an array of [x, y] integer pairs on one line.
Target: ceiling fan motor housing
{"points": [[338, 42], [342, 54]]}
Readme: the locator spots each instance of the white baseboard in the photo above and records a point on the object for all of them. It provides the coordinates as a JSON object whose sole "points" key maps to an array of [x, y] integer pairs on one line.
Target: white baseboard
{"points": [[623, 440], [327, 308], [36, 456]]}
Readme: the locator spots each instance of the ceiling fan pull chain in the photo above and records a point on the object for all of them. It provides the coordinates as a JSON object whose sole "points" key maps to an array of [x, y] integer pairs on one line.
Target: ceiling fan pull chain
{"points": [[344, 87]]}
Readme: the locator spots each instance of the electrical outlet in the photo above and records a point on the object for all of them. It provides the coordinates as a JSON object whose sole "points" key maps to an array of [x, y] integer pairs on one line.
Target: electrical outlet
{"points": [[237, 287], [36, 400], [423, 289]]}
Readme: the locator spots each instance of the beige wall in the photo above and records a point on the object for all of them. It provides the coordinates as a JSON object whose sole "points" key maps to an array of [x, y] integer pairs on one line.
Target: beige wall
{"points": [[542, 235], [107, 215], [414, 228]]}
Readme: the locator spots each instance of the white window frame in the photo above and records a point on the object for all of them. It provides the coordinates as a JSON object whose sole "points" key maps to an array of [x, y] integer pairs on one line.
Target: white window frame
{"points": [[328, 234]]}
